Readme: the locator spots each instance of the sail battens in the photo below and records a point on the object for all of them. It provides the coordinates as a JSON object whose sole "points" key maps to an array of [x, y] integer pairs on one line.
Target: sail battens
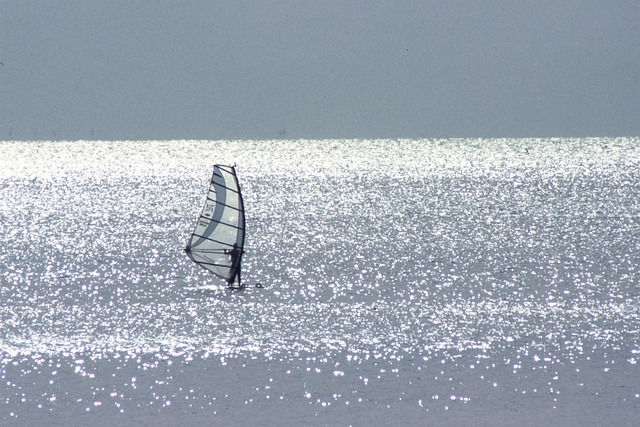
{"points": [[228, 188], [236, 208], [217, 241], [220, 223], [210, 251], [211, 264]]}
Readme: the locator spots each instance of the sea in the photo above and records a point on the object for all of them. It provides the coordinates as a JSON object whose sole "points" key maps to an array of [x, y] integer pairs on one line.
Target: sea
{"points": [[409, 282]]}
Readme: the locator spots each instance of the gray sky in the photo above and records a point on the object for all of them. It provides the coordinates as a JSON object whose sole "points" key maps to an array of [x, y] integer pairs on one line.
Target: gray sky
{"points": [[319, 69]]}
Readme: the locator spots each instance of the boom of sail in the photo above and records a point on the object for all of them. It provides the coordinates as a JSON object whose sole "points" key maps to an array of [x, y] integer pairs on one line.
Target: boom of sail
{"points": [[217, 241]]}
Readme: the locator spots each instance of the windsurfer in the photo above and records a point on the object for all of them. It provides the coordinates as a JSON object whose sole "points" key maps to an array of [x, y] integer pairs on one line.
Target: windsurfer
{"points": [[235, 254]]}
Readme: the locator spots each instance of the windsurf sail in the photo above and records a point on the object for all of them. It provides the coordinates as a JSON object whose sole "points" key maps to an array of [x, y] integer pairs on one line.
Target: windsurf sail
{"points": [[217, 241]]}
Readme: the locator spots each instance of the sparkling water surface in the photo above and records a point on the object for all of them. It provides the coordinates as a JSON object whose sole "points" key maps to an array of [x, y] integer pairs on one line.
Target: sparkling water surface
{"points": [[423, 281]]}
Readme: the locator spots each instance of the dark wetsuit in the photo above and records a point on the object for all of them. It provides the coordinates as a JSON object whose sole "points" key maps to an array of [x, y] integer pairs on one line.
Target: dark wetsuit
{"points": [[235, 254]]}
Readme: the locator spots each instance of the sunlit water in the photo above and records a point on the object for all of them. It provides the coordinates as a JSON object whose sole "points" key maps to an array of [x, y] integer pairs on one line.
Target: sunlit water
{"points": [[442, 281]]}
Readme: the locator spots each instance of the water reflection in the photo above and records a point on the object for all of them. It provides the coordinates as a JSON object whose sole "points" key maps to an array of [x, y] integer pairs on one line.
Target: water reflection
{"points": [[428, 269]]}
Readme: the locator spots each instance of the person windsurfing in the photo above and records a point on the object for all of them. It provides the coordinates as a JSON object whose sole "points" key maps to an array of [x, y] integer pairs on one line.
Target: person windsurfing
{"points": [[235, 254]]}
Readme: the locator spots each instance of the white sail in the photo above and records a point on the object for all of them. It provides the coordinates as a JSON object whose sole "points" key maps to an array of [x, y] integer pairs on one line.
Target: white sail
{"points": [[218, 239]]}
